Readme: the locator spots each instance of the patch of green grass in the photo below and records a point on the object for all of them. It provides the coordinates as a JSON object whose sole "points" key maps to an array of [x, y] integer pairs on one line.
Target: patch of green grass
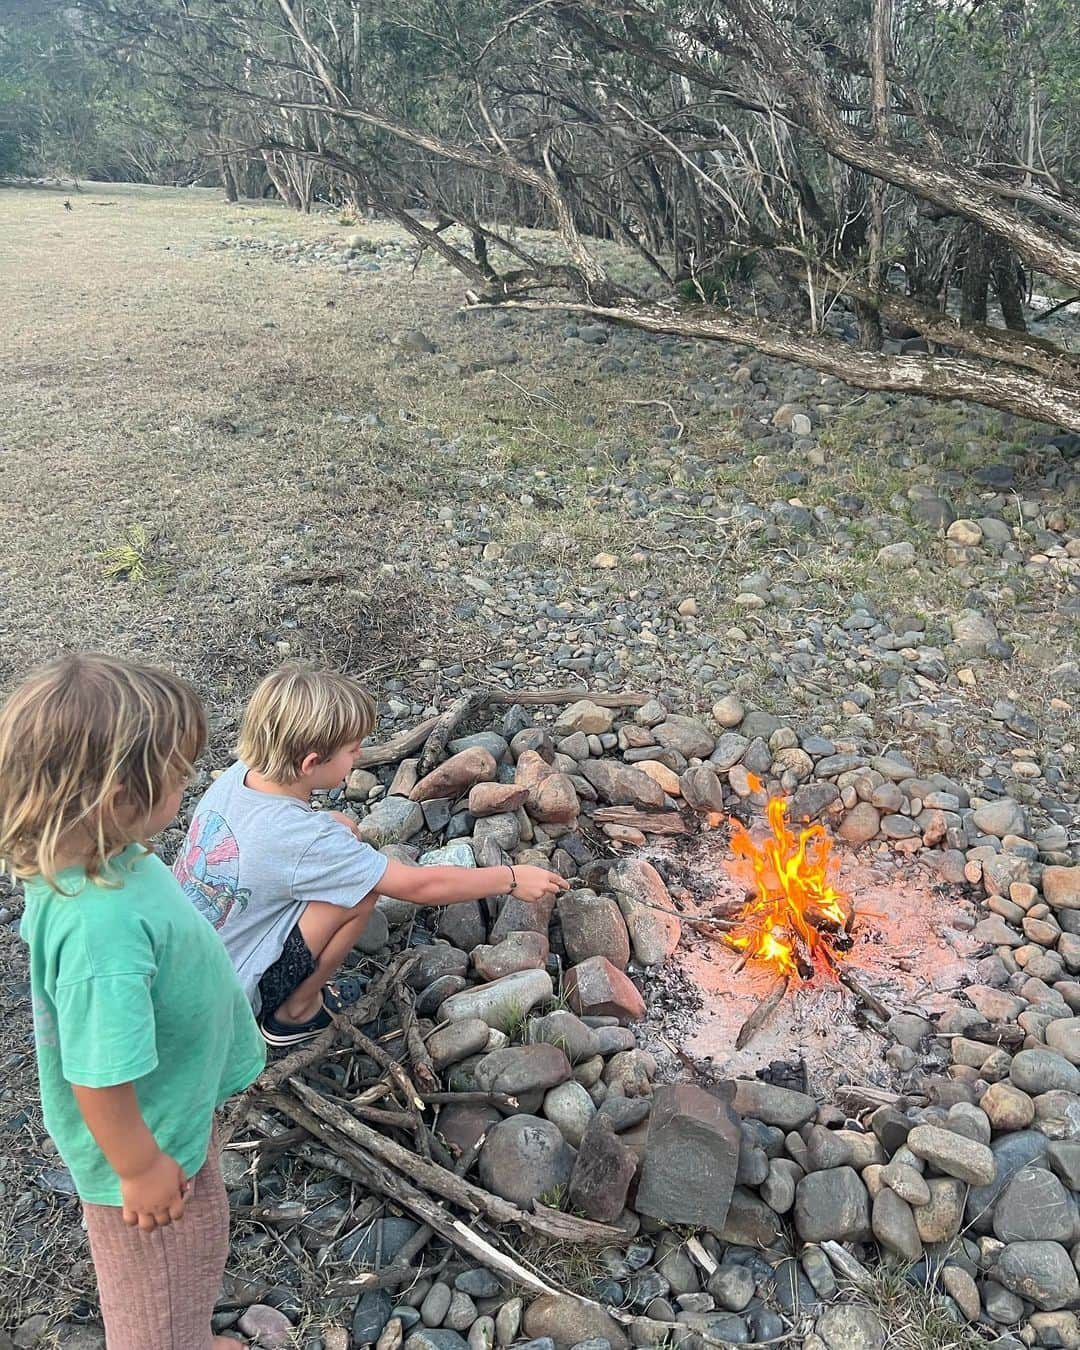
{"points": [[130, 558], [915, 1314]]}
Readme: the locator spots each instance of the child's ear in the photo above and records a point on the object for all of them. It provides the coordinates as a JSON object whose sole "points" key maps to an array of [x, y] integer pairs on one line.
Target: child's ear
{"points": [[309, 764]]}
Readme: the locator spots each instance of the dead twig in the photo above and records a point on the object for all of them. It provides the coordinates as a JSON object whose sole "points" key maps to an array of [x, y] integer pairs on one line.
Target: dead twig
{"points": [[762, 1013]]}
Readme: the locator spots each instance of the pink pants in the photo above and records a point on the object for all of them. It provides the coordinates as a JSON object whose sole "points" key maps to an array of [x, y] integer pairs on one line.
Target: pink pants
{"points": [[158, 1289]]}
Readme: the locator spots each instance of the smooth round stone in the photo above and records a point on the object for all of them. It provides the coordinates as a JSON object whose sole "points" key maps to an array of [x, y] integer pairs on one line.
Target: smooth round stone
{"points": [[570, 1107]]}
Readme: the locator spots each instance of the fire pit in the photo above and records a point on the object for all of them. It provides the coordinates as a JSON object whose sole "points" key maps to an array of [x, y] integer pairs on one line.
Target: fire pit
{"points": [[795, 952]]}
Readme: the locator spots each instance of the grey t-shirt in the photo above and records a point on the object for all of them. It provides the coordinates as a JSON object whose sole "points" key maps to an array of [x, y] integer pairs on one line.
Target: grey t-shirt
{"points": [[252, 860]]}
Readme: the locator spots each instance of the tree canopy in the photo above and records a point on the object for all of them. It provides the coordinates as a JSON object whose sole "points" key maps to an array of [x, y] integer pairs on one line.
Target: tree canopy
{"points": [[872, 187]]}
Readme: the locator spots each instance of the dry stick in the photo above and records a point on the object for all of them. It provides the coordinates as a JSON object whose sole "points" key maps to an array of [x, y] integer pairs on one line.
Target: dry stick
{"points": [[347, 1159], [405, 742], [443, 729], [762, 1012], [499, 1099], [441, 1180], [363, 1010], [652, 822], [422, 1066]]}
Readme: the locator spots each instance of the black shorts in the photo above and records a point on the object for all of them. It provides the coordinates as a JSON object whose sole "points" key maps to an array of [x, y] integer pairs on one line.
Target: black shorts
{"points": [[288, 972]]}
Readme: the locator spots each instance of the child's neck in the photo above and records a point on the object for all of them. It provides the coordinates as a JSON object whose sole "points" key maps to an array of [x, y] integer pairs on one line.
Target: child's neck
{"points": [[259, 782]]}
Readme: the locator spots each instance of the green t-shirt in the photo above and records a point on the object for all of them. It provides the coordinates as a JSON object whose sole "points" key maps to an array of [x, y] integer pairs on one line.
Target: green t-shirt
{"points": [[131, 984]]}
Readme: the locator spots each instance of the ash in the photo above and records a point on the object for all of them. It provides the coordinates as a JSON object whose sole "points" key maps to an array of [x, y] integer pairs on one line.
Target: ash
{"points": [[912, 950]]}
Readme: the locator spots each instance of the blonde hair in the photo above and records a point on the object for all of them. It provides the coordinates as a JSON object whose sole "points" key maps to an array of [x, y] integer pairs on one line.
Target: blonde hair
{"points": [[298, 711], [72, 735]]}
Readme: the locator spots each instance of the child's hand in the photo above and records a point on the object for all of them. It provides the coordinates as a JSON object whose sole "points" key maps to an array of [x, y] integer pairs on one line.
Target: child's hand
{"points": [[154, 1197], [533, 883]]}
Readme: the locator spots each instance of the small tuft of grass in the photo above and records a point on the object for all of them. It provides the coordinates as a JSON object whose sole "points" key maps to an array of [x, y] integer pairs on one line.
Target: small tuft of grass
{"points": [[915, 1313], [130, 559]]}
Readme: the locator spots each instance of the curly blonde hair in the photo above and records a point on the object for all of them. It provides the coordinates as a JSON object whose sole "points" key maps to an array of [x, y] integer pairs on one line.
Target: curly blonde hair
{"points": [[72, 736], [299, 710]]}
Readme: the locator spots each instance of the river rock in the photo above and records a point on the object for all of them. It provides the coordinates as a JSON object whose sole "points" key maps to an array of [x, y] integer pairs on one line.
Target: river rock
{"points": [[953, 1154], [584, 716], [622, 785], [456, 775], [894, 1225], [571, 1108], [1000, 818], [568, 1321], [1061, 887], [596, 988], [493, 799], [1037, 1071], [851, 1327], [691, 1158], [517, 951], [832, 1205], [1035, 1205], [457, 1041], [593, 926], [266, 1326], [503, 1003], [646, 906], [777, 1106], [1040, 1272], [522, 1069], [394, 820], [602, 1172], [569, 1033], [686, 736], [940, 1220], [525, 1158]]}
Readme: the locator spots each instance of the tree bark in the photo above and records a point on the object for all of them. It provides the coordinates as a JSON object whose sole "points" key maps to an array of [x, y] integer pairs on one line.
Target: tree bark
{"points": [[939, 377]]}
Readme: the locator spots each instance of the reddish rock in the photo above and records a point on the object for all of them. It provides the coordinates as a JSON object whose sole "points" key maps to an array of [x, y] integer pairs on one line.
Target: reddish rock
{"points": [[554, 801], [493, 799], [860, 824], [532, 769], [597, 988], [1061, 887], [456, 775], [569, 1321], [517, 951], [622, 785]]}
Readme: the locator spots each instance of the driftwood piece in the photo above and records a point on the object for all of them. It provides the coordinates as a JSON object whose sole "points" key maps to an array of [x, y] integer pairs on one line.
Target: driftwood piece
{"points": [[855, 1098], [429, 1212], [499, 1099], [762, 1013], [365, 1009], [650, 822], [440, 1180], [848, 1266], [1005, 1034], [851, 981], [349, 1160], [458, 711], [422, 1066], [405, 742]]}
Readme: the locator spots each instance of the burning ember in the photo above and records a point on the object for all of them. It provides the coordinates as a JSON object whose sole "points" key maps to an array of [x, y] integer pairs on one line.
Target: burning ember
{"points": [[797, 920]]}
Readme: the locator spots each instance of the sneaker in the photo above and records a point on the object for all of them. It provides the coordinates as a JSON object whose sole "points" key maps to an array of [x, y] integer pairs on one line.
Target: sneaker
{"points": [[280, 1034], [343, 992]]}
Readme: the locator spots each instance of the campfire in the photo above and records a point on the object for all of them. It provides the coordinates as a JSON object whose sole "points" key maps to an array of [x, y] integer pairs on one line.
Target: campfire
{"points": [[797, 921]]}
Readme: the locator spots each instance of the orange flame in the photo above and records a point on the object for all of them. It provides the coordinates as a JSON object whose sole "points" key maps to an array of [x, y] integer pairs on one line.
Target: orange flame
{"points": [[795, 905]]}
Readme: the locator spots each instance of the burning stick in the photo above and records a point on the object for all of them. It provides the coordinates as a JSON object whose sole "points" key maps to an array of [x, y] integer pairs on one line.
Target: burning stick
{"points": [[762, 1012]]}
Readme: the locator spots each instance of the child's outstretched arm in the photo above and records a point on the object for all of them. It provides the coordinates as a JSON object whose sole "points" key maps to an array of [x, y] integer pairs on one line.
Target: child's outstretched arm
{"points": [[453, 885], [153, 1185]]}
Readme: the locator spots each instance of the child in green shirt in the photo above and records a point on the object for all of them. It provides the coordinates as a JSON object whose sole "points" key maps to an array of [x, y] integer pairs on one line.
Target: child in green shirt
{"points": [[142, 1028]]}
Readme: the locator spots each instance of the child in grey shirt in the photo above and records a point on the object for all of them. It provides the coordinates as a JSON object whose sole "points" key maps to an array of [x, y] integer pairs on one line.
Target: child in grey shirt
{"points": [[291, 889]]}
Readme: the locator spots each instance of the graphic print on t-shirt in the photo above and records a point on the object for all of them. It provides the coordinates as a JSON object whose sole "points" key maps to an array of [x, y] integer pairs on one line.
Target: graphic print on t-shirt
{"points": [[208, 869]]}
